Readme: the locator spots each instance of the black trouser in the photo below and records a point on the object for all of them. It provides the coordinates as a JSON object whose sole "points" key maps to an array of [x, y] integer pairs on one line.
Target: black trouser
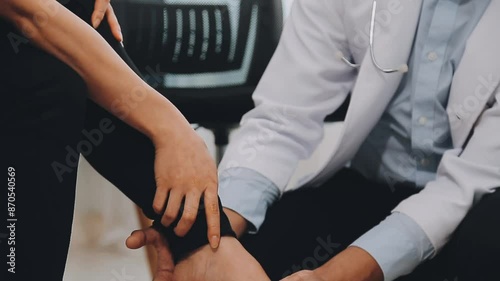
{"points": [[46, 121], [307, 227]]}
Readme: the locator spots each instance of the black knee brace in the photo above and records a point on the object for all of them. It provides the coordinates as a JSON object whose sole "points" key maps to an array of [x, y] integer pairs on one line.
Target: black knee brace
{"points": [[196, 237]]}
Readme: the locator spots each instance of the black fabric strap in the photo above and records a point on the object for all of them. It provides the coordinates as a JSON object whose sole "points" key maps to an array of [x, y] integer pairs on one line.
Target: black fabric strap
{"points": [[196, 237]]}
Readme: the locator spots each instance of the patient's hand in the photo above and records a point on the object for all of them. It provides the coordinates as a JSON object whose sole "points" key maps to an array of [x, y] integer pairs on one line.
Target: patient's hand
{"points": [[230, 262]]}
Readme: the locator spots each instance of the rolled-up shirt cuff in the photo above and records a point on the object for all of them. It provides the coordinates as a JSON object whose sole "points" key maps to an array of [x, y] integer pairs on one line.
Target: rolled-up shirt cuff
{"points": [[248, 193], [398, 244]]}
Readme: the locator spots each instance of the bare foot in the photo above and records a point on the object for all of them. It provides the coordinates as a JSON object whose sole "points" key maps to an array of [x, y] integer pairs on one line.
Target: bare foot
{"points": [[230, 262]]}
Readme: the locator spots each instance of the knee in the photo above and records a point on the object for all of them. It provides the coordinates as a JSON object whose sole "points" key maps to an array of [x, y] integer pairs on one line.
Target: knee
{"points": [[481, 245], [477, 242]]}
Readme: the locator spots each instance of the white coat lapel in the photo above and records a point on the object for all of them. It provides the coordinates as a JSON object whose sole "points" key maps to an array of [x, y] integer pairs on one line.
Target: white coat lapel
{"points": [[477, 76], [374, 89]]}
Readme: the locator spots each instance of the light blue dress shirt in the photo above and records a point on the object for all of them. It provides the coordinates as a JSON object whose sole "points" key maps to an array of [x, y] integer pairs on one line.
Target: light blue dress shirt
{"points": [[405, 146], [413, 134]]}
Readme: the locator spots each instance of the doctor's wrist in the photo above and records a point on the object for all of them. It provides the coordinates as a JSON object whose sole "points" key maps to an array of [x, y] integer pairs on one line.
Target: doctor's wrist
{"points": [[352, 264], [238, 222]]}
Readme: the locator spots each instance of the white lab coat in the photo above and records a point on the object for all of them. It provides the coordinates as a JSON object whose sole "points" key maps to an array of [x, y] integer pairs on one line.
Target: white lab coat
{"points": [[305, 81]]}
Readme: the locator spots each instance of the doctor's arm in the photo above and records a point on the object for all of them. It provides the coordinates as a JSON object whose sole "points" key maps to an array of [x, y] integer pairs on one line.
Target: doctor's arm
{"points": [[463, 178], [303, 83]]}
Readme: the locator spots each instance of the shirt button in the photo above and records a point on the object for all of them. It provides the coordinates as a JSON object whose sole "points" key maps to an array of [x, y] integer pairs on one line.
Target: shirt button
{"points": [[424, 162], [422, 120], [432, 56]]}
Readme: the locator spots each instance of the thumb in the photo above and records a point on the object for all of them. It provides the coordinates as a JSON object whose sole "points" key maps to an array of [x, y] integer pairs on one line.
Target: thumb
{"points": [[136, 240], [149, 236]]}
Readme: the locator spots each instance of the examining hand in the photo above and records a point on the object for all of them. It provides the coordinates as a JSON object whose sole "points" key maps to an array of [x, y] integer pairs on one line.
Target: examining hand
{"points": [[352, 264], [230, 262], [304, 275], [149, 236], [103, 8], [184, 172]]}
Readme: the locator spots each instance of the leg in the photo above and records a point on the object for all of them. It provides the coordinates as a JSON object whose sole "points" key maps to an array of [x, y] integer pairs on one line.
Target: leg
{"points": [[122, 155], [126, 158], [291, 239], [473, 253], [475, 248], [42, 113]]}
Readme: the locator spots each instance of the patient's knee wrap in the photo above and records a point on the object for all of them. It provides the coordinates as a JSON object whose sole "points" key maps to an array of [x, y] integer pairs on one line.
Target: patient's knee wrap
{"points": [[196, 237]]}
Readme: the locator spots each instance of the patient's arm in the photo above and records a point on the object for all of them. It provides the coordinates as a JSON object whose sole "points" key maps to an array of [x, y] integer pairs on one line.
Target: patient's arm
{"points": [[183, 166], [108, 77]]}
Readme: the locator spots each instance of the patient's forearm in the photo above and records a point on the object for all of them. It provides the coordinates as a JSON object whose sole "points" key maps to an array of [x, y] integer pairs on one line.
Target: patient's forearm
{"points": [[112, 84]]}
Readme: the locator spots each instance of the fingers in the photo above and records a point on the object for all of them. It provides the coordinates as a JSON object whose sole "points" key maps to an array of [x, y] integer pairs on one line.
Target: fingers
{"points": [[190, 211], [100, 8], [141, 238], [160, 199], [114, 24], [213, 216], [103, 8], [136, 240], [303, 275], [191, 205], [173, 206]]}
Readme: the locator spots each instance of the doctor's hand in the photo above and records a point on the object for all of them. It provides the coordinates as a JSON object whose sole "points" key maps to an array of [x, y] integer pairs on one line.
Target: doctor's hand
{"points": [[149, 236], [352, 264], [184, 172], [103, 9], [230, 262], [304, 275]]}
